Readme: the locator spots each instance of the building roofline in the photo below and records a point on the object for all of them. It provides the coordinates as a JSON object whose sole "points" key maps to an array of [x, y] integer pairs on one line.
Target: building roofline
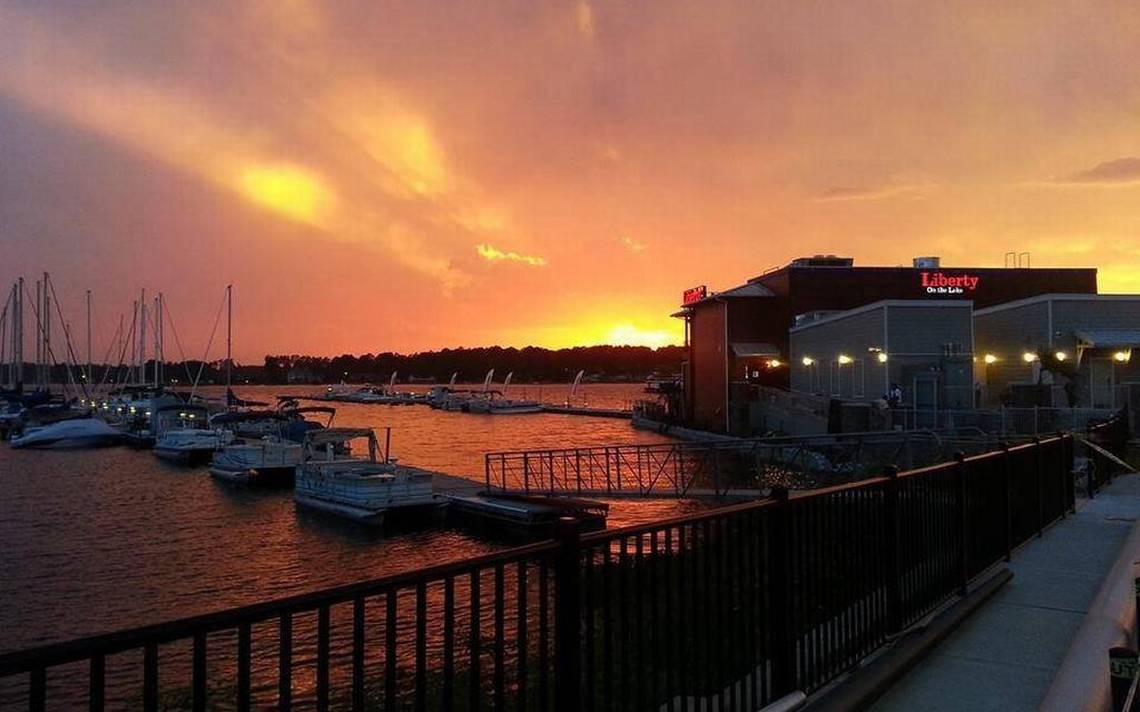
{"points": [[1057, 297], [882, 304]]}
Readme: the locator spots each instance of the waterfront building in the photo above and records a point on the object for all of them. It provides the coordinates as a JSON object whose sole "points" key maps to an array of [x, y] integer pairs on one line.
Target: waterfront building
{"points": [[1059, 350], [739, 340], [923, 348]]}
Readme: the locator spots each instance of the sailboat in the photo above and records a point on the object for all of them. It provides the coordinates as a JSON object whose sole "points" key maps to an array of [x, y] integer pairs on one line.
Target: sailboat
{"points": [[496, 402]]}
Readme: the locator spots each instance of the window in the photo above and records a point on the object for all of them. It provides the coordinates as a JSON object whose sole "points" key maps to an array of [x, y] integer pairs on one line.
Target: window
{"points": [[836, 375]]}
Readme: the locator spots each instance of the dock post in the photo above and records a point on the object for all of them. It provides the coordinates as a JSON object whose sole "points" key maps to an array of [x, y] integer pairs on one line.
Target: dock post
{"points": [[567, 614]]}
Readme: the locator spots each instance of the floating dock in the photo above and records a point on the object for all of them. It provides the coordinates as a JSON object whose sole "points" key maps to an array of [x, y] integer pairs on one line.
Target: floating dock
{"points": [[592, 412], [469, 504]]}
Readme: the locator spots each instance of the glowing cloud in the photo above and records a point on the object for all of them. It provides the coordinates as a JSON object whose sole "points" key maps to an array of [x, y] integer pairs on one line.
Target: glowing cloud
{"points": [[585, 18], [631, 244], [293, 192], [493, 254]]}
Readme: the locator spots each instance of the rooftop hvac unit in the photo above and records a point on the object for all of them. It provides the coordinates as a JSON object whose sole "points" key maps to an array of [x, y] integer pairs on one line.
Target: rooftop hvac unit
{"points": [[823, 261], [929, 262]]}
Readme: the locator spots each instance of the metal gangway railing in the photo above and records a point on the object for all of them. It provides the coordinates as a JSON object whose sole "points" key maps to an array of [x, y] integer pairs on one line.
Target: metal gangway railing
{"points": [[723, 467]]}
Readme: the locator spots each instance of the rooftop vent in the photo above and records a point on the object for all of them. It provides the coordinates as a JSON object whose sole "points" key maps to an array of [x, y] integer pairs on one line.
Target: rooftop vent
{"points": [[823, 261], [929, 262]]}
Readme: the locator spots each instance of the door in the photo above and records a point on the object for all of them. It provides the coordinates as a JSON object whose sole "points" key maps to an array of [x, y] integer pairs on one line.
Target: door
{"points": [[1101, 382], [925, 400]]}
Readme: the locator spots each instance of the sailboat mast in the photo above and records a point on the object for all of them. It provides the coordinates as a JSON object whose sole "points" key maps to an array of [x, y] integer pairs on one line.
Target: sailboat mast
{"points": [[229, 336], [157, 318], [161, 377], [18, 335], [142, 338], [47, 333], [89, 336], [39, 369]]}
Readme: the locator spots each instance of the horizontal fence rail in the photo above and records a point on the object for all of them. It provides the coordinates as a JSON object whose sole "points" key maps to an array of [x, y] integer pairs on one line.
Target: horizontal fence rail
{"points": [[719, 467], [730, 608]]}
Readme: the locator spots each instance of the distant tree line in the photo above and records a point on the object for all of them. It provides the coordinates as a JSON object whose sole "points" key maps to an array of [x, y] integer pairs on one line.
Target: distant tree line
{"points": [[530, 364]]}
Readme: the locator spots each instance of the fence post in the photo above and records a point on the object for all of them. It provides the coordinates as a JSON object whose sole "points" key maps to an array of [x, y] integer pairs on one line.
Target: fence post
{"points": [[1062, 472], [1007, 481], [487, 469], [1121, 670], [783, 627], [1040, 489], [1089, 469], [1136, 600], [894, 569], [567, 614], [964, 525]]}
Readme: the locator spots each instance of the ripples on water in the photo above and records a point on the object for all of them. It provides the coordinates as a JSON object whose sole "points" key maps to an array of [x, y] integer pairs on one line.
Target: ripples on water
{"points": [[98, 540]]}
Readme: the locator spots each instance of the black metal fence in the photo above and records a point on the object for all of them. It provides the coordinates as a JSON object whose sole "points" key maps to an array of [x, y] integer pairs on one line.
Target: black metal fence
{"points": [[1111, 435], [718, 467], [726, 609]]}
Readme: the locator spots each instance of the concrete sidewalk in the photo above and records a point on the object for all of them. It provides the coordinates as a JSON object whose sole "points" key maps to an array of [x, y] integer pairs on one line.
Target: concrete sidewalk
{"points": [[1005, 655]]}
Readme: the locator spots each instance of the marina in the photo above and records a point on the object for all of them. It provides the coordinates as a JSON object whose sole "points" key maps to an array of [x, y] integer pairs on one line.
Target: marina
{"points": [[181, 539]]}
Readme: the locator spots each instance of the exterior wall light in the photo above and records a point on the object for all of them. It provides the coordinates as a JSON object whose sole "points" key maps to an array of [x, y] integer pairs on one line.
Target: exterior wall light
{"points": [[1061, 356], [844, 359], [808, 361], [1028, 357], [990, 358], [773, 363], [1122, 356], [882, 357]]}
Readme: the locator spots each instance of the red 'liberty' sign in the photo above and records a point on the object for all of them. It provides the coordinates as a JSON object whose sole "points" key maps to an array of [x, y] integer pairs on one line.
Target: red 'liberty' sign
{"points": [[940, 283]]}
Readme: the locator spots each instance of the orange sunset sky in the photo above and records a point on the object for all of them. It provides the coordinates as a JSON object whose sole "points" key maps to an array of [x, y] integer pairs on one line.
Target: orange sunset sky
{"points": [[377, 175]]}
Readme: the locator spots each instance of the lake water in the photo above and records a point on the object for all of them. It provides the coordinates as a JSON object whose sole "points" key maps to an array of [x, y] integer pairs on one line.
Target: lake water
{"points": [[92, 541]]}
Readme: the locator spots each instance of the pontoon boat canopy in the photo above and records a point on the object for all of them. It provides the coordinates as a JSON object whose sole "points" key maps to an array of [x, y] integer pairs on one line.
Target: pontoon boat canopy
{"points": [[337, 435]]}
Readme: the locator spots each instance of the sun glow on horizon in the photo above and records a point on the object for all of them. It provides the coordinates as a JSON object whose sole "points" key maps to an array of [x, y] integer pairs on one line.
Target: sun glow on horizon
{"points": [[630, 335]]}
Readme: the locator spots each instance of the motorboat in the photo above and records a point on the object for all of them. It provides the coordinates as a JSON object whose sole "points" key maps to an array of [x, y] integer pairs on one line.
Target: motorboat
{"points": [[270, 462], [269, 448], [362, 487], [75, 433], [495, 404], [183, 434]]}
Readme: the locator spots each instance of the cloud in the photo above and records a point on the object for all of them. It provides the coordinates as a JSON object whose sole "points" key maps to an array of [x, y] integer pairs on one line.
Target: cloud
{"points": [[493, 254], [585, 18], [631, 244], [875, 192], [1120, 170]]}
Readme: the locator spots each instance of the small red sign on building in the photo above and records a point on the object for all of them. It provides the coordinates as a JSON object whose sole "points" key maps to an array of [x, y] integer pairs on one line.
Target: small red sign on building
{"points": [[694, 294]]}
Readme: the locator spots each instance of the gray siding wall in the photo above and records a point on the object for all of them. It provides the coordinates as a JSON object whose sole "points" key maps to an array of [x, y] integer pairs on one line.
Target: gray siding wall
{"points": [[1009, 332], [1087, 315], [850, 335], [927, 330], [914, 338]]}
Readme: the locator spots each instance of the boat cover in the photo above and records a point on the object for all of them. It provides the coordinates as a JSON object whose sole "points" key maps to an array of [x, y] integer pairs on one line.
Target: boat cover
{"points": [[325, 436]]}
